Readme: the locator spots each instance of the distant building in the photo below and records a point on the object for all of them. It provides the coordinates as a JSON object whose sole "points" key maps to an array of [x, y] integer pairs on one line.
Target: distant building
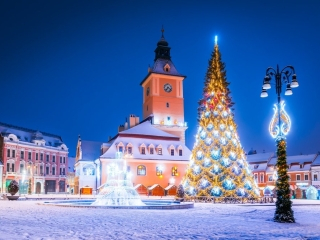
{"points": [[315, 172], [154, 149], [30, 154], [70, 175]]}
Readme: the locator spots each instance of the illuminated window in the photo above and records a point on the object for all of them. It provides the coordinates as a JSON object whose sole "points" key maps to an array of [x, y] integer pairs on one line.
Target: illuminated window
{"points": [[88, 170], [174, 171], [158, 171], [141, 170], [159, 151]]}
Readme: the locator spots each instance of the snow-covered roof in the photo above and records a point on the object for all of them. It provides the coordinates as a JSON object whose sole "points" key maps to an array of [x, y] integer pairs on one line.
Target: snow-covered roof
{"points": [[138, 185], [146, 129], [90, 150], [170, 186], [256, 167], [298, 159], [71, 161], [259, 157], [153, 186], [145, 134], [316, 162], [27, 135], [159, 64]]}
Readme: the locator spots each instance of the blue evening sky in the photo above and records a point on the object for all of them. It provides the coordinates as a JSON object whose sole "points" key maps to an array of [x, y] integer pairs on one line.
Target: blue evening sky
{"points": [[74, 67]]}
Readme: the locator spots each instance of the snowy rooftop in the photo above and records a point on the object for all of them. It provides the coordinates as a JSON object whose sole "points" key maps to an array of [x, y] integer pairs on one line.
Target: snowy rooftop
{"points": [[147, 135], [256, 167], [27, 135], [298, 159], [316, 162], [146, 129], [90, 150], [259, 157]]}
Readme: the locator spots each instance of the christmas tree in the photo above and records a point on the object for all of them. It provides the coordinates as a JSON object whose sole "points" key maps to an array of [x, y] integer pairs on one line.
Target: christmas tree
{"points": [[218, 165]]}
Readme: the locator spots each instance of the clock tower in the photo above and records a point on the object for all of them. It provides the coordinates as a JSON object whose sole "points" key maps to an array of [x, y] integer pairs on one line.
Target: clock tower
{"points": [[163, 93]]}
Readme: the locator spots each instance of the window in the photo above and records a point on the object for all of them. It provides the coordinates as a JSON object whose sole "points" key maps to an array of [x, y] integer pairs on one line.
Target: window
{"points": [[53, 171], [143, 150], [41, 156], [41, 169], [36, 169], [172, 152], [151, 150], [256, 177], [120, 149], [37, 156], [63, 171], [159, 151], [64, 159], [47, 170], [29, 155], [22, 155], [8, 152], [158, 171], [141, 170], [256, 166], [47, 158], [130, 150], [53, 158], [12, 167], [298, 177], [174, 171], [168, 118], [301, 165], [180, 152], [261, 178], [60, 171], [13, 153], [60, 161], [315, 177], [306, 177], [8, 167], [167, 104], [21, 167], [270, 179]]}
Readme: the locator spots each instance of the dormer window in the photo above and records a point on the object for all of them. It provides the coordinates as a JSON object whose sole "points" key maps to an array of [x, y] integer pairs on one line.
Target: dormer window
{"points": [[180, 152], [120, 149], [151, 151], [143, 150], [301, 165], [159, 151], [172, 152], [129, 150], [256, 166], [166, 68]]}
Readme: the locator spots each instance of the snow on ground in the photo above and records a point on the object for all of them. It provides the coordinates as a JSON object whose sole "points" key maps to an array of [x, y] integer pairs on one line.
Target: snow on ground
{"points": [[27, 220]]}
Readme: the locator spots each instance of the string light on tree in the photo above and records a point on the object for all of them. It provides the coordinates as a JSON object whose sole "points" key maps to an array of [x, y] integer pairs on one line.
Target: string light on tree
{"points": [[218, 166]]}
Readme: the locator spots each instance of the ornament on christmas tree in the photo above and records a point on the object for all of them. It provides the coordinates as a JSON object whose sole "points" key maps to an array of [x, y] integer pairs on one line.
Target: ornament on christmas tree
{"points": [[218, 166]]}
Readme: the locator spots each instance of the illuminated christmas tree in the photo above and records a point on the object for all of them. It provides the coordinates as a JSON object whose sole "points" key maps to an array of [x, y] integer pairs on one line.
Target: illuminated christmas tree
{"points": [[218, 165]]}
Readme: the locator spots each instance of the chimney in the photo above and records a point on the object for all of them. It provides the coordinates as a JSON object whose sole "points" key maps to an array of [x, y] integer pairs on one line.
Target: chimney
{"points": [[120, 128], [126, 124]]}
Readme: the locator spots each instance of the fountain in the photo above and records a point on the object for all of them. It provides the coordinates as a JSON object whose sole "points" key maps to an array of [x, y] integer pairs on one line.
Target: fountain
{"points": [[118, 190]]}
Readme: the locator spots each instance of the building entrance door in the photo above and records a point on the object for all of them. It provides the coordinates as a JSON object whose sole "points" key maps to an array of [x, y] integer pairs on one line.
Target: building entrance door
{"points": [[38, 188], [50, 186], [62, 186]]}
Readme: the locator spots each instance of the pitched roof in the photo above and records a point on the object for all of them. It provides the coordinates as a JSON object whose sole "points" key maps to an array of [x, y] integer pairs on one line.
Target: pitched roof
{"points": [[90, 150], [259, 157], [146, 129], [316, 162], [298, 159]]}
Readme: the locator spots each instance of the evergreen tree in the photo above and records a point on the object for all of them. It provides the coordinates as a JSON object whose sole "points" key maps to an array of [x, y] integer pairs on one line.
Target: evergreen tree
{"points": [[283, 212], [218, 165], [180, 191]]}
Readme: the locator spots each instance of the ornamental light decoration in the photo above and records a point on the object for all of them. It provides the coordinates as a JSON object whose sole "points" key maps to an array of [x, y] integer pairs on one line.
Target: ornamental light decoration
{"points": [[279, 126]]}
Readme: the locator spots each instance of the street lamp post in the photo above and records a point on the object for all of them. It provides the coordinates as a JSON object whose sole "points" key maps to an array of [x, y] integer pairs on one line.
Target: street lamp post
{"points": [[279, 128]]}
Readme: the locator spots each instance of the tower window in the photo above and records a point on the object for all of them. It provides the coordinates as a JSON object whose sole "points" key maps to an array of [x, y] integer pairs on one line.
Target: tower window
{"points": [[167, 104]]}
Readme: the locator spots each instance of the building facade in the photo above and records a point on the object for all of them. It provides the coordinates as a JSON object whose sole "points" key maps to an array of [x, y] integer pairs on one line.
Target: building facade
{"points": [[33, 157], [154, 149]]}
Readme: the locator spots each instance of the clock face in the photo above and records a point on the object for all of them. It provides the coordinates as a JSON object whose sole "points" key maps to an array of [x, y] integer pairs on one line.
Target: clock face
{"points": [[167, 87], [148, 91]]}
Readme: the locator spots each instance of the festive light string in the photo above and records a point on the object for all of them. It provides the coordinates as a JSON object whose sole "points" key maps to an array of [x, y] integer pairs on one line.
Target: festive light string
{"points": [[217, 166]]}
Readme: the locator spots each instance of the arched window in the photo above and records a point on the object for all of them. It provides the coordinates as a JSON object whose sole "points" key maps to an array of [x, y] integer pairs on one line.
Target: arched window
{"points": [[88, 170], [141, 170]]}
